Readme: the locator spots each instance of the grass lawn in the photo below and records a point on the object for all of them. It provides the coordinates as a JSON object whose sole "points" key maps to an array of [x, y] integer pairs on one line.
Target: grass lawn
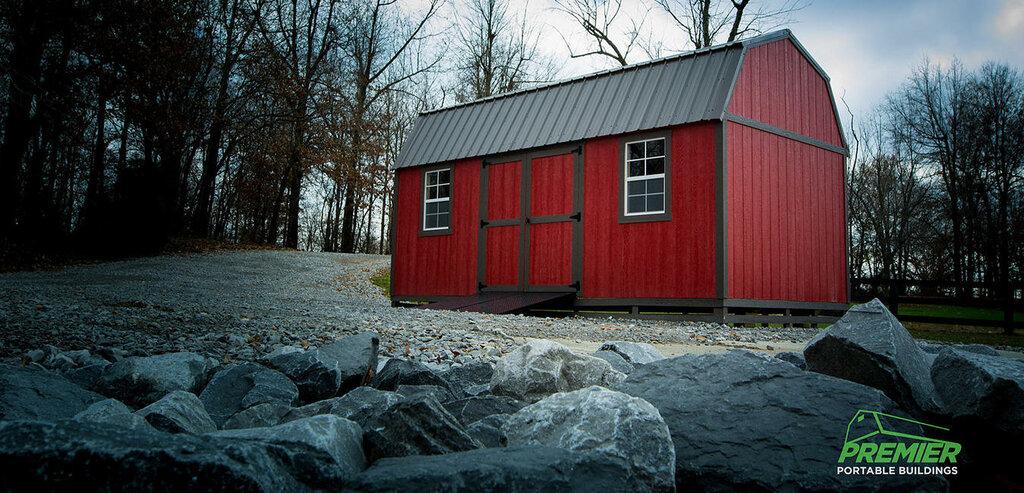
{"points": [[382, 279], [961, 334]]}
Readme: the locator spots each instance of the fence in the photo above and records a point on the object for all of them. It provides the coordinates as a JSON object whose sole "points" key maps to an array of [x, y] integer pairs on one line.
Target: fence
{"points": [[894, 292]]}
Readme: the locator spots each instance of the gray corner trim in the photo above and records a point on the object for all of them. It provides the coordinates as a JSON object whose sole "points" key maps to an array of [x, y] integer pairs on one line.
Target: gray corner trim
{"points": [[481, 247], [781, 132], [451, 200], [577, 227], [846, 229], [665, 216], [721, 209], [393, 232], [524, 229]]}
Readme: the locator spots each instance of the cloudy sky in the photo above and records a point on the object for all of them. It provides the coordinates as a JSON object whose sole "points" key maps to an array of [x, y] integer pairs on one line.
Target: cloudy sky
{"points": [[868, 47]]}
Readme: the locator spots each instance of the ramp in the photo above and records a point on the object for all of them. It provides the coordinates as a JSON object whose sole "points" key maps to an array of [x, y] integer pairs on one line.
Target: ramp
{"points": [[498, 302]]}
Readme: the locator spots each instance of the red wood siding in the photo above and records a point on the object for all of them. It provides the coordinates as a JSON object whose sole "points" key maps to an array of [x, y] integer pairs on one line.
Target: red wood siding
{"points": [[503, 182], [550, 254], [437, 265], [667, 259], [786, 219], [502, 263], [551, 185], [777, 85]]}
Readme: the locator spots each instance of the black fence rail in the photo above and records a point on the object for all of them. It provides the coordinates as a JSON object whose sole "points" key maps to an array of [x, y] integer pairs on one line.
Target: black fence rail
{"points": [[894, 292]]}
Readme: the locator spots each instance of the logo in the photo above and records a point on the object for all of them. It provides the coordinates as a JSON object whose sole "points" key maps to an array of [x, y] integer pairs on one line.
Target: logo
{"points": [[877, 443]]}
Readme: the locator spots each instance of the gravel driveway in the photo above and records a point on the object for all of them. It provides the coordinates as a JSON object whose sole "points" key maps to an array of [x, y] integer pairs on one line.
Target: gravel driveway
{"points": [[240, 305]]}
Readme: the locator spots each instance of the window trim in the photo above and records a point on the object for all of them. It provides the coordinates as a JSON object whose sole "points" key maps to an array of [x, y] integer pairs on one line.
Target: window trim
{"points": [[447, 230], [642, 217]]}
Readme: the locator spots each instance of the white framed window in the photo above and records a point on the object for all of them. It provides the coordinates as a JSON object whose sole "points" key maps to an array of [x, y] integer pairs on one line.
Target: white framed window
{"points": [[645, 162], [437, 194]]}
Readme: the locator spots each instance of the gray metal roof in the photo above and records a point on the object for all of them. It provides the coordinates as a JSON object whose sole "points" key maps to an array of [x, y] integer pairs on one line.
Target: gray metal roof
{"points": [[684, 88]]}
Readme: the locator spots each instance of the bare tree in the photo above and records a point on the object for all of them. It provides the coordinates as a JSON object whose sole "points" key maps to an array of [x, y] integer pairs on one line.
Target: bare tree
{"points": [[598, 20], [497, 50], [705, 21]]}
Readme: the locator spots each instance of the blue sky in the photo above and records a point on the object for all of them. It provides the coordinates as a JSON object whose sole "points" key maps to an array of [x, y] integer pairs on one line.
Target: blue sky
{"points": [[868, 47]]}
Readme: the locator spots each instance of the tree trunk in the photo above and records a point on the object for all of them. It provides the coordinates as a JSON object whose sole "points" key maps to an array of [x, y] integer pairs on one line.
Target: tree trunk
{"points": [[94, 189]]}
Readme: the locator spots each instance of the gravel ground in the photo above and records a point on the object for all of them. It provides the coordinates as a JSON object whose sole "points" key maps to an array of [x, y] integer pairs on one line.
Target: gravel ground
{"points": [[240, 305]]}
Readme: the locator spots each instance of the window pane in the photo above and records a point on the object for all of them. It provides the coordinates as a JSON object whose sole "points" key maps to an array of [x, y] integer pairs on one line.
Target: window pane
{"points": [[636, 168], [655, 185], [432, 207], [656, 202], [442, 206], [442, 220], [656, 166], [444, 191], [635, 187], [635, 204], [431, 221], [431, 192], [636, 150], [656, 148], [432, 178], [446, 176]]}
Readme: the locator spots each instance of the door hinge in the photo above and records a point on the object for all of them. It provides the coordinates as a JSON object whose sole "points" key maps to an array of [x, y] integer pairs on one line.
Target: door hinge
{"points": [[527, 220], [485, 163], [575, 285], [483, 223], [576, 216], [480, 286], [578, 150]]}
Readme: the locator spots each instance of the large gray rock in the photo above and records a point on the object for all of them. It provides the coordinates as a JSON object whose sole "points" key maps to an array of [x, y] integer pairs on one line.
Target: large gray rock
{"points": [[404, 372], [868, 345], [934, 348], [360, 405], [34, 393], [86, 376], [475, 408], [489, 431], [141, 380], [981, 390], [268, 414], [331, 370], [74, 456], [442, 394], [795, 359], [597, 419], [540, 368], [616, 360], [514, 469], [635, 353], [419, 426], [112, 411], [178, 412], [750, 422], [336, 436], [245, 385], [469, 375]]}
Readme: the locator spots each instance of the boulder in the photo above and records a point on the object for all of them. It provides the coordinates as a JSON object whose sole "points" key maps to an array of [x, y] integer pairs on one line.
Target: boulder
{"points": [[635, 353], [112, 411], [419, 426], [404, 372], [34, 393], [74, 456], [142, 380], [747, 421], [600, 420], [933, 348], [82, 357], [244, 385], [469, 375], [475, 408], [616, 360], [540, 368], [488, 431], [86, 376], [267, 414], [869, 346], [795, 359], [981, 390], [442, 394], [178, 412], [337, 437], [513, 469], [331, 370], [360, 405]]}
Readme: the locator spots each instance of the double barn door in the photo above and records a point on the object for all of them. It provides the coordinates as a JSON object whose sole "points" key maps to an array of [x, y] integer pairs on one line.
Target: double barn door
{"points": [[530, 222]]}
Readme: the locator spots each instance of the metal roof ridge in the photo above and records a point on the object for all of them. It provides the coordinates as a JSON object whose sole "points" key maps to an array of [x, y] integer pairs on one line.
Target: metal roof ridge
{"points": [[756, 40]]}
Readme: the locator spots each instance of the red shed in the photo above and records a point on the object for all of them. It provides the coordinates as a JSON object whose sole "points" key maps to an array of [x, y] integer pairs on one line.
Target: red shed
{"points": [[709, 184]]}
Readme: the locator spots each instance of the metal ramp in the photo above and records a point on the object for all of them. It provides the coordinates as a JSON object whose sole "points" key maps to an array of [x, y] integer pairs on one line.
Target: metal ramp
{"points": [[496, 302]]}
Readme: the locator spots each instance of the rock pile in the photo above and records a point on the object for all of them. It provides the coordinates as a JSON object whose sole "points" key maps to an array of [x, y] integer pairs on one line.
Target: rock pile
{"points": [[542, 418]]}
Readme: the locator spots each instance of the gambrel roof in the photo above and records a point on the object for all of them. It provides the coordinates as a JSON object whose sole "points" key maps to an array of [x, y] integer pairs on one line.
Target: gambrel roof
{"points": [[684, 88]]}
